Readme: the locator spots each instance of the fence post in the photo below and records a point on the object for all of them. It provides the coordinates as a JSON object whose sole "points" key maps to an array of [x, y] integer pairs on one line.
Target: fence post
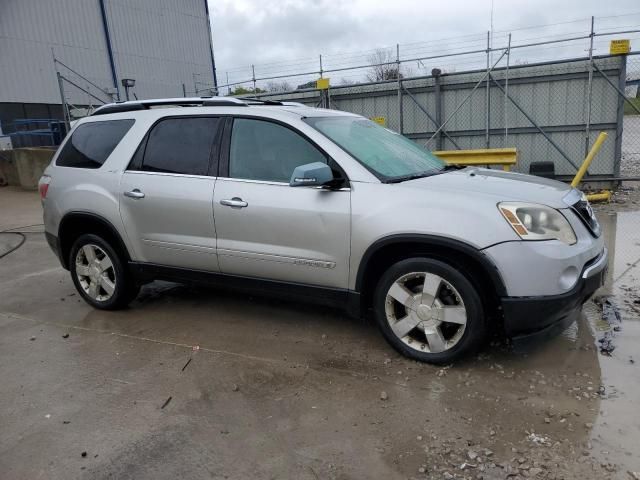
{"points": [[400, 112], [622, 80], [253, 73], [487, 140], [506, 94], [65, 106], [436, 72], [590, 90]]}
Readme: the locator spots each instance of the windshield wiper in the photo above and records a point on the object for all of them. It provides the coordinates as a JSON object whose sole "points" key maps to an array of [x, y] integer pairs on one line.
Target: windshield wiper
{"points": [[414, 176], [448, 167]]}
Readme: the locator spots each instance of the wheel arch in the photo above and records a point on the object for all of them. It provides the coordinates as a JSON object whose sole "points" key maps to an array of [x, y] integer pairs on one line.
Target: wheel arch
{"points": [[386, 251], [74, 224]]}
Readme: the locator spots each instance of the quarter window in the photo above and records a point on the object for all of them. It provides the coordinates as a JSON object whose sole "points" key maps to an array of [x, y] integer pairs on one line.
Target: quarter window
{"points": [[181, 145], [91, 143], [267, 151]]}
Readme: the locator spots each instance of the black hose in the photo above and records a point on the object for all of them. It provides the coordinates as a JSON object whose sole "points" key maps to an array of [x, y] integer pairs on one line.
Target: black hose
{"points": [[18, 231], [14, 248]]}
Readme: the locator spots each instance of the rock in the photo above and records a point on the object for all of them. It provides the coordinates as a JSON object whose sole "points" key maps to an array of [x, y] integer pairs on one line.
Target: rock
{"points": [[419, 438], [472, 455], [383, 395], [66, 335], [535, 471], [547, 420], [422, 470], [32, 338], [83, 454], [235, 387]]}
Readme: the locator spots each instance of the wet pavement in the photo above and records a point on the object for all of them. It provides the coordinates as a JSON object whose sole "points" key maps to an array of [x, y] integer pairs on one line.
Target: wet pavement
{"points": [[197, 383]]}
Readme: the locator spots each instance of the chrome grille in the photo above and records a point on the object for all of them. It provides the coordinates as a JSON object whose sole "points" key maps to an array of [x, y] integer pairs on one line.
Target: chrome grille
{"points": [[586, 214]]}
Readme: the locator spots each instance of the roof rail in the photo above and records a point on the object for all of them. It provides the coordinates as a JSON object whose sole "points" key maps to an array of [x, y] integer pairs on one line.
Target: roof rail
{"points": [[177, 102], [259, 101]]}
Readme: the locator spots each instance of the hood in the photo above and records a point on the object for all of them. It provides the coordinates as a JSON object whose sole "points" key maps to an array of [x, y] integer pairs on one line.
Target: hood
{"points": [[502, 186]]}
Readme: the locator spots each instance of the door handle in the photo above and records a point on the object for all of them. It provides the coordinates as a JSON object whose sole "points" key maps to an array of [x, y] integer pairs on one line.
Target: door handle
{"points": [[135, 193], [235, 202]]}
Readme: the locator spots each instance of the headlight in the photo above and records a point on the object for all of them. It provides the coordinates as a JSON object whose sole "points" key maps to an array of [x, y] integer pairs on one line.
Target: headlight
{"points": [[532, 221]]}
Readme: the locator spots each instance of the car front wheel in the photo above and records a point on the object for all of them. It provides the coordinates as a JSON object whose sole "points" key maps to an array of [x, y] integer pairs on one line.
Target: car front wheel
{"points": [[429, 311], [99, 274]]}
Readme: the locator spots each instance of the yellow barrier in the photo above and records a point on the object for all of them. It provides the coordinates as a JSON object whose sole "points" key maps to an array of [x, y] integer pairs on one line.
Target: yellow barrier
{"points": [[604, 196], [507, 157], [587, 161]]}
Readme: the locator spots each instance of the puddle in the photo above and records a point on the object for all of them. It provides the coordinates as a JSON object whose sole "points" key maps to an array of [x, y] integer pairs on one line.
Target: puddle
{"points": [[614, 317]]}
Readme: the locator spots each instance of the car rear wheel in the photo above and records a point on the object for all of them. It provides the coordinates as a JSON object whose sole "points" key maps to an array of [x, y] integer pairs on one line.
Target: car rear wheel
{"points": [[99, 274], [429, 311]]}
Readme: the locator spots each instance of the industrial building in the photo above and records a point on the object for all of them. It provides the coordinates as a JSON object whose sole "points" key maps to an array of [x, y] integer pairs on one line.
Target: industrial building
{"points": [[164, 46]]}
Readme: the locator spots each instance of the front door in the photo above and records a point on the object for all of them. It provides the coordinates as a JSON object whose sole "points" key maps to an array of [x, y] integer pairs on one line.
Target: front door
{"points": [[266, 228], [167, 193]]}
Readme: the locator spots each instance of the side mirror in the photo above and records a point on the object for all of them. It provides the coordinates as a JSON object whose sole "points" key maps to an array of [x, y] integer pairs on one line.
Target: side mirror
{"points": [[311, 175]]}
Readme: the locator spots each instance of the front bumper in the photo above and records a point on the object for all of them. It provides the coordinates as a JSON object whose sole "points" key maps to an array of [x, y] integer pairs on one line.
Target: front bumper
{"points": [[525, 316]]}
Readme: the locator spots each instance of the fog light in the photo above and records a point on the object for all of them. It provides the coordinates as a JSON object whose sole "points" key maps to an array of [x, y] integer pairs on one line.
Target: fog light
{"points": [[568, 278]]}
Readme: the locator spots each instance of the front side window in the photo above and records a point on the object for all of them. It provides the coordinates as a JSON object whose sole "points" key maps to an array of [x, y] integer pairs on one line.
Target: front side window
{"points": [[389, 155], [180, 145], [262, 150], [91, 143]]}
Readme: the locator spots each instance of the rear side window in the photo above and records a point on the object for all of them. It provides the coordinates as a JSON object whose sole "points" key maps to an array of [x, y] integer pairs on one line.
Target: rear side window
{"points": [[92, 143], [181, 145]]}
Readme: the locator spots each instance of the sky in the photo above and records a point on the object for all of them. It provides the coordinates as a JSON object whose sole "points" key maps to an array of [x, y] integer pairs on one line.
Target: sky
{"points": [[286, 36]]}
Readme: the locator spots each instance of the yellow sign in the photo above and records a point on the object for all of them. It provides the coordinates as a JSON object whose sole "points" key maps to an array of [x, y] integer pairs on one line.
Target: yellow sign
{"points": [[322, 84], [380, 121], [619, 47]]}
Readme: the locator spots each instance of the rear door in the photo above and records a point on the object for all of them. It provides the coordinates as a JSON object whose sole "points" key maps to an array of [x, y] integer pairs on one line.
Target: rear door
{"points": [[167, 193], [268, 229]]}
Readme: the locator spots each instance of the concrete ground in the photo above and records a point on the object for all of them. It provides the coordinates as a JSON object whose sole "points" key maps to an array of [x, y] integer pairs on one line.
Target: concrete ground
{"points": [[196, 383]]}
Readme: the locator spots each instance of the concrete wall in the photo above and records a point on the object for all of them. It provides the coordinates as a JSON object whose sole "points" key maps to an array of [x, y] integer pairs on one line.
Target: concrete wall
{"points": [[24, 166]]}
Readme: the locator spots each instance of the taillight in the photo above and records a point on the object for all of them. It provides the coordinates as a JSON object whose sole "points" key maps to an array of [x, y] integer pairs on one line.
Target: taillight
{"points": [[43, 186]]}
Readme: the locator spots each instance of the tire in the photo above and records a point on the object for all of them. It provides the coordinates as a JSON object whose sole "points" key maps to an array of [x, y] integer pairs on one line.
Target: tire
{"points": [[100, 278], [440, 327]]}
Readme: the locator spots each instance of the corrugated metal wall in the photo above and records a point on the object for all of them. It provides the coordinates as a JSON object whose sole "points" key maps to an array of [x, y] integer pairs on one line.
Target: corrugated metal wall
{"points": [[160, 43], [555, 96], [30, 29]]}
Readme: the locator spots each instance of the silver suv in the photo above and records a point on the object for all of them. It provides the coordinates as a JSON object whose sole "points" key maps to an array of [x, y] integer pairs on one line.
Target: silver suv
{"points": [[317, 204]]}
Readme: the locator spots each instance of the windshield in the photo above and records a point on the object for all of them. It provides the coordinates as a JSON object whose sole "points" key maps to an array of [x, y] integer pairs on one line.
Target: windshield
{"points": [[387, 154]]}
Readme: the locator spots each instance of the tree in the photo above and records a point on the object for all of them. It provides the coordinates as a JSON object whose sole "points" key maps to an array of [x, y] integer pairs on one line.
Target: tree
{"points": [[283, 86], [383, 66], [240, 90]]}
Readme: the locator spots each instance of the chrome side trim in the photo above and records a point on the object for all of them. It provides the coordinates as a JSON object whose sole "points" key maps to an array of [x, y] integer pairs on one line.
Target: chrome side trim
{"points": [[598, 265]]}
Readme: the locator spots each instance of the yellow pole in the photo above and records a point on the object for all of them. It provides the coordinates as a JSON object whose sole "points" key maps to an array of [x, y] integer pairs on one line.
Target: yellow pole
{"points": [[587, 161], [600, 197]]}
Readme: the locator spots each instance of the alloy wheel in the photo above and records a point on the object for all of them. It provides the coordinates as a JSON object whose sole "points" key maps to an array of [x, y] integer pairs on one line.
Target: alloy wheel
{"points": [[95, 272], [425, 312]]}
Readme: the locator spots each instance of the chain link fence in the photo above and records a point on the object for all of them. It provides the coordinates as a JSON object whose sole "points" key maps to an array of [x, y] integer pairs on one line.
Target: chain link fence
{"points": [[550, 111], [630, 161]]}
